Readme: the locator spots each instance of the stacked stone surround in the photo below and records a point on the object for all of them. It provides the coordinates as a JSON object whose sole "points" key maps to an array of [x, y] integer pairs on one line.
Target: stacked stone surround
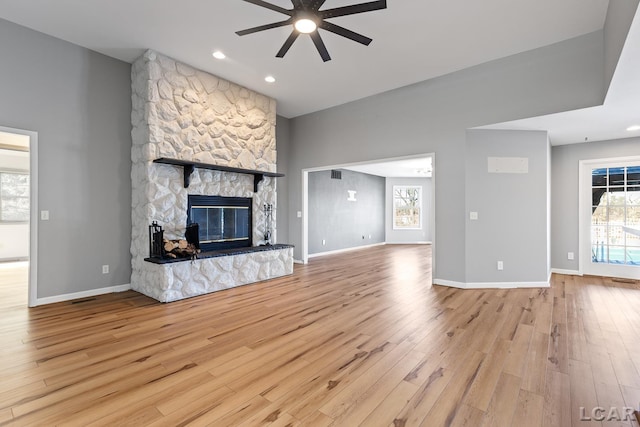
{"points": [[183, 113]]}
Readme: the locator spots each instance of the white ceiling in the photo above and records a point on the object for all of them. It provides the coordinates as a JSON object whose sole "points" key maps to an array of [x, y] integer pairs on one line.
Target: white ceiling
{"points": [[20, 142], [413, 40], [401, 168]]}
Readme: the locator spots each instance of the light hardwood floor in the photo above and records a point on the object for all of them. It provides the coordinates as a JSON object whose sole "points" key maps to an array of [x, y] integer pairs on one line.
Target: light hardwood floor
{"points": [[355, 339]]}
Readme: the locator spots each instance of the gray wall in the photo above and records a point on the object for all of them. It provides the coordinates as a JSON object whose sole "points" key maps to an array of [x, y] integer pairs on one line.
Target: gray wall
{"points": [[512, 223], [283, 146], [620, 15], [79, 102], [408, 236], [432, 116], [564, 192], [342, 223]]}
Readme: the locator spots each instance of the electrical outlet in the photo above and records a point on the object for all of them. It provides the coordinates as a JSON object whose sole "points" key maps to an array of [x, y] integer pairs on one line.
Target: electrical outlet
{"points": [[369, 235], [500, 265], [324, 242], [299, 214], [105, 269], [473, 216], [44, 215], [570, 255]]}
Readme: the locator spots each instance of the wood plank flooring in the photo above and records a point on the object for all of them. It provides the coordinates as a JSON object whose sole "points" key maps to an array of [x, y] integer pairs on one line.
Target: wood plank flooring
{"points": [[357, 339]]}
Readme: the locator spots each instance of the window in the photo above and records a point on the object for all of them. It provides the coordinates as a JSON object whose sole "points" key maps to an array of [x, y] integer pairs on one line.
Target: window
{"points": [[615, 215], [407, 207], [14, 197]]}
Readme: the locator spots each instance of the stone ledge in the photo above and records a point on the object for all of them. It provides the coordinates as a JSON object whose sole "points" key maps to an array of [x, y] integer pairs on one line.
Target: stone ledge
{"points": [[179, 280], [222, 253]]}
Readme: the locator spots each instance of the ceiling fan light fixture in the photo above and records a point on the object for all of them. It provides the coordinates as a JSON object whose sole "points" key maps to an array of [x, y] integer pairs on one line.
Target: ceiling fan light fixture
{"points": [[306, 25], [306, 17]]}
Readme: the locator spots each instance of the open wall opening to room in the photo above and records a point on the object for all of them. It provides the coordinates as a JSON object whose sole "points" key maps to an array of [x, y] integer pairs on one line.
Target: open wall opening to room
{"points": [[353, 206]]}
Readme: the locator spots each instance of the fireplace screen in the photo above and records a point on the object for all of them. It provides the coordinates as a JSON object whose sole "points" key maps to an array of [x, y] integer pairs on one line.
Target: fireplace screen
{"points": [[224, 222]]}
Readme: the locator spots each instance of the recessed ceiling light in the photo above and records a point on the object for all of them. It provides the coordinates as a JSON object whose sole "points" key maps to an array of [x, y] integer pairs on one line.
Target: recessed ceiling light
{"points": [[219, 55], [632, 128], [305, 25], [270, 79]]}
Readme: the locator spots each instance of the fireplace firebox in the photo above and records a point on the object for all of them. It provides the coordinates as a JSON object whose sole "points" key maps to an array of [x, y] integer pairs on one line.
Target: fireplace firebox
{"points": [[224, 222]]}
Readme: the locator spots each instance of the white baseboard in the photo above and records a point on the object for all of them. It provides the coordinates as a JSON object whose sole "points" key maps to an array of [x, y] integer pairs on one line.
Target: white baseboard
{"points": [[298, 261], [408, 243], [490, 285], [339, 251], [567, 272], [82, 294]]}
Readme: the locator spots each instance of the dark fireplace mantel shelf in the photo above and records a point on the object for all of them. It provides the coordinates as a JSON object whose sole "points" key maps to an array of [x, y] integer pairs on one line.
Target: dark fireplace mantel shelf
{"points": [[189, 166], [225, 252]]}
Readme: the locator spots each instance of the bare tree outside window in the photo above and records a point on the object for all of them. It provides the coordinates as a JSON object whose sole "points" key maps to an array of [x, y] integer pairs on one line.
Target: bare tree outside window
{"points": [[14, 197], [407, 207]]}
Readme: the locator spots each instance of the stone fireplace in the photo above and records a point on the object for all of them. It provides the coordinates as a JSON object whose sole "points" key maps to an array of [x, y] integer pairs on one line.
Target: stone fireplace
{"points": [[186, 115]]}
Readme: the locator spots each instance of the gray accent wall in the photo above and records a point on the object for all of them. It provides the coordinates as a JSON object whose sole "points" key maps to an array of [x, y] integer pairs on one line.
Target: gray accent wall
{"points": [[345, 224], [409, 236], [79, 103], [565, 160], [512, 224], [432, 116], [283, 146]]}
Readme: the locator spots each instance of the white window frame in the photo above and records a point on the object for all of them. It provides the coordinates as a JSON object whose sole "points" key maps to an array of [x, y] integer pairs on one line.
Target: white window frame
{"points": [[393, 206], [584, 235]]}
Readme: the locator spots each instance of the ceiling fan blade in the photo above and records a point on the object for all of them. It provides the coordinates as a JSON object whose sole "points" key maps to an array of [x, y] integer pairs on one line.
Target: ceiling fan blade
{"points": [[353, 9], [315, 4], [297, 4], [264, 27], [287, 44], [270, 6], [322, 49], [341, 31]]}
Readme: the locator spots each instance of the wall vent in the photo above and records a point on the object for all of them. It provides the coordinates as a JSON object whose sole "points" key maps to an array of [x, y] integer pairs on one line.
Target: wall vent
{"points": [[335, 174]]}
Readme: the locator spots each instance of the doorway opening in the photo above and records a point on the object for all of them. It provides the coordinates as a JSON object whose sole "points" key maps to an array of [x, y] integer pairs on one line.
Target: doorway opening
{"points": [[610, 217], [18, 218], [383, 168]]}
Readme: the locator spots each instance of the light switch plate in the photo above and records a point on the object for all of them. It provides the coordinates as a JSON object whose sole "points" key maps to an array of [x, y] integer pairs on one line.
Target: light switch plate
{"points": [[44, 215], [473, 216]]}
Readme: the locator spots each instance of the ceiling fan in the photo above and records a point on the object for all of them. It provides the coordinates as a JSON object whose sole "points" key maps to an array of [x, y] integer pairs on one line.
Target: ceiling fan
{"points": [[306, 18]]}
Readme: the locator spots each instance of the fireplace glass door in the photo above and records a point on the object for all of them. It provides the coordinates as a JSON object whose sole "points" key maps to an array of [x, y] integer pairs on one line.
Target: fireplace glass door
{"points": [[223, 222]]}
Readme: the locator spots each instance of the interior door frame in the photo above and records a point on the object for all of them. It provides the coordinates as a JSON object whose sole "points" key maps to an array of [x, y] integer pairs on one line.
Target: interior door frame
{"points": [[33, 211], [585, 265], [305, 200]]}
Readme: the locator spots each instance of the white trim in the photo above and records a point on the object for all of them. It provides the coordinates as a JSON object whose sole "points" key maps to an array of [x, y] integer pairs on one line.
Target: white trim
{"points": [[298, 261], [585, 266], [449, 283], [339, 251], [566, 272], [491, 285], [83, 294], [33, 214], [305, 216], [409, 243]]}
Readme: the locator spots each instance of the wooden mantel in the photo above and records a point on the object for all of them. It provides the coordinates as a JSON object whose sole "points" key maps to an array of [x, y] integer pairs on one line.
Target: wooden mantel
{"points": [[189, 166]]}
